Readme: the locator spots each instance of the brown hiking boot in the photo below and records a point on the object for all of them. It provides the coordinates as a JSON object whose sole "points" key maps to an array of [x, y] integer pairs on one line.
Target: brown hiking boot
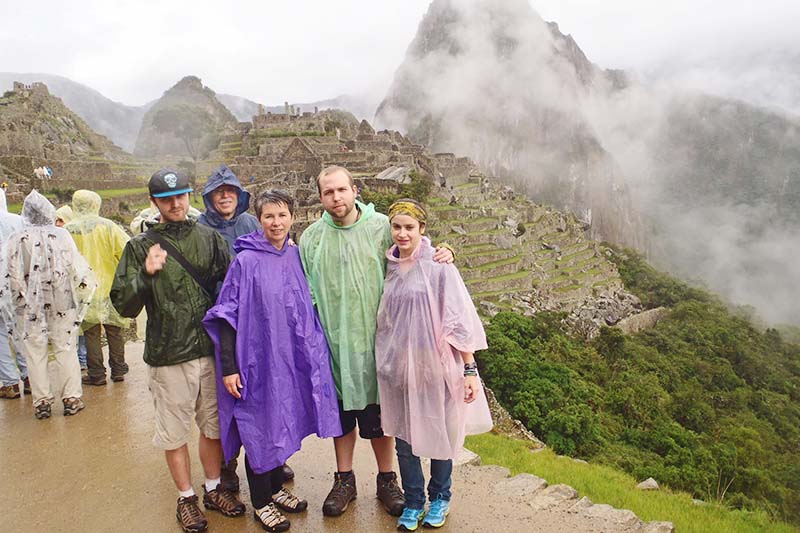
{"points": [[229, 477], [9, 392], [27, 385], [340, 496], [97, 382], [390, 495], [223, 501], [189, 515]]}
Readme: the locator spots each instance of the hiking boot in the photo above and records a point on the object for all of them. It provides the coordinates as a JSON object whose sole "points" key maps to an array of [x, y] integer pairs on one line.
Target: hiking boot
{"points": [[9, 392], [223, 501], [117, 378], [340, 496], [26, 385], [390, 495], [288, 501], [288, 473], [410, 519], [437, 513], [189, 515], [229, 477], [42, 410], [271, 519], [72, 405], [89, 380]]}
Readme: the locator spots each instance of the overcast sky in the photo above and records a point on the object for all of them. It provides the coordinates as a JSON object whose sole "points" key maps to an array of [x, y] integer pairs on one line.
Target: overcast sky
{"points": [[269, 51]]}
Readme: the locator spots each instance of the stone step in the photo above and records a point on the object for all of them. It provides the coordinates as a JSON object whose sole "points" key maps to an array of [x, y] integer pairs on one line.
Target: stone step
{"points": [[494, 269], [475, 225], [482, 257], [517, 281]]}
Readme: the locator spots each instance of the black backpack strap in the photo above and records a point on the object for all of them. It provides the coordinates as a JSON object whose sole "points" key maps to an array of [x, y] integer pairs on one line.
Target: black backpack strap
{"points": [[177, 256]]}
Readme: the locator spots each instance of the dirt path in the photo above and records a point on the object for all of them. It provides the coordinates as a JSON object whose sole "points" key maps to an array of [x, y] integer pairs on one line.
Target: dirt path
{"points": [[98, 471]]}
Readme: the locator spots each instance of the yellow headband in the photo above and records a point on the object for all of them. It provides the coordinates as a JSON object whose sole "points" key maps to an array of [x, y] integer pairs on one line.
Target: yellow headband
{"points": [[402, 207]]}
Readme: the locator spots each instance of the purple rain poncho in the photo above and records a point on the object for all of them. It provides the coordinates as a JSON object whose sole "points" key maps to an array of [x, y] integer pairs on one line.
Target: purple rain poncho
{"points": [[281, 353], [426, 318]]}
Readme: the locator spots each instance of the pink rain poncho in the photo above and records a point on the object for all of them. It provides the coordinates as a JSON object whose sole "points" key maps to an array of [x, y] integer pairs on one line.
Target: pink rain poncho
{"points": [[426, 318]]}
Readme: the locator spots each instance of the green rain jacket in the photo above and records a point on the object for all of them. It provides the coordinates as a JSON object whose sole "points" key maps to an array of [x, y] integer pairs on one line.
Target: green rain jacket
{"points": [[345, 267], [175, 303]]}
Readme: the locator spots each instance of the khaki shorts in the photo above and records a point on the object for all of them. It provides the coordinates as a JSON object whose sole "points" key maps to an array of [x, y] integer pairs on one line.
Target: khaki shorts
{"points": [[180, 392]]}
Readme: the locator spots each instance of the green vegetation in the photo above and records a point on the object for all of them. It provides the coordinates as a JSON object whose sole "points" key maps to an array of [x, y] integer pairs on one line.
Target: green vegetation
{"points": [[704, 402], [603, 484]]}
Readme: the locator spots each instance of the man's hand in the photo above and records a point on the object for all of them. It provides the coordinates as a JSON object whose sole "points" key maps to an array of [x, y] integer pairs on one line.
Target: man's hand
{"points": [[156, 257], [470, 388], [233, 384], [443, 255]]}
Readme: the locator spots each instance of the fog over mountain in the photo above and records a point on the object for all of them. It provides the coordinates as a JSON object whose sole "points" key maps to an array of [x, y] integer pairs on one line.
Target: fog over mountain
{"points": [[716, 181]]}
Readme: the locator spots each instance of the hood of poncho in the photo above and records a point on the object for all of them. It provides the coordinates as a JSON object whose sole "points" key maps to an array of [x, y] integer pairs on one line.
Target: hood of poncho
{"points": [[258, 242], [3, 204], [37, 210], [85, 203]]}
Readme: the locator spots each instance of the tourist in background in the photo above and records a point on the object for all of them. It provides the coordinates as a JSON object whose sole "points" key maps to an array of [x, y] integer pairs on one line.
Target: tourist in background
{"points": [[12, 363], [428, 330], [43, 298], [101, 243], [64, 215]]}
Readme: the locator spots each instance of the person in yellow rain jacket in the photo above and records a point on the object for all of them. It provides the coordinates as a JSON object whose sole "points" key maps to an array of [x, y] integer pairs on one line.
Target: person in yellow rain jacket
{"points": [[101, 242]]}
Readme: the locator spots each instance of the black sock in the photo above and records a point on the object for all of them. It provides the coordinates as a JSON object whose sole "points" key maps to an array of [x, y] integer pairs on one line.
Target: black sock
{"points": [[345, 475], [386, 476]]}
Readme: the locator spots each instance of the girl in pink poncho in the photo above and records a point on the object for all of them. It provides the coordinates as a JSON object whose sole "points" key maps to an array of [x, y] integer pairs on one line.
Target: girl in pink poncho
{"points": [[428, 330]]}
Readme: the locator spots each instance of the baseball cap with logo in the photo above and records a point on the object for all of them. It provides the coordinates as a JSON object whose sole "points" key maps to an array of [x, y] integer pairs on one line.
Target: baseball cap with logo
{"points": [[168, 182]]}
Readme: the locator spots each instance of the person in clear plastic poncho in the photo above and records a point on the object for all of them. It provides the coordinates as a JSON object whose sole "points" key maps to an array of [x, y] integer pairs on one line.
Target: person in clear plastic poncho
{"points": [[43, 299], [427, 330], [101, 243], [12, 366]]}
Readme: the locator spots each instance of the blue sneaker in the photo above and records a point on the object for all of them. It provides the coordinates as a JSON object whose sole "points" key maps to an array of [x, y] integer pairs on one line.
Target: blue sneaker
{"points": [[409, 520], [437, 513]]}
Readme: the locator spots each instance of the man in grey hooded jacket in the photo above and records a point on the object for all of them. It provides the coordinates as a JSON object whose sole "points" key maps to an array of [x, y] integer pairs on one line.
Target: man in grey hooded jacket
{"points": [[227, 203]]}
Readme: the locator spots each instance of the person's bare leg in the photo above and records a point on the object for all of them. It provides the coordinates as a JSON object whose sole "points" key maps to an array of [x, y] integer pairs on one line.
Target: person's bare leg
{"points": [[344, 447], [384, 453], [210, 456], [180, 467]]}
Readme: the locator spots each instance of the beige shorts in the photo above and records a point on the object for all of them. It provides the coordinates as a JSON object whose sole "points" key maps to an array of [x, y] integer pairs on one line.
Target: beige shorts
{"points": [[180, 392]]}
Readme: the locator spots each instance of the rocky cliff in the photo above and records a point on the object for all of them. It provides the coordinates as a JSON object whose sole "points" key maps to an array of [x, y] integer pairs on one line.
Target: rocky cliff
{"points": [[189, 91], [496, 82]]}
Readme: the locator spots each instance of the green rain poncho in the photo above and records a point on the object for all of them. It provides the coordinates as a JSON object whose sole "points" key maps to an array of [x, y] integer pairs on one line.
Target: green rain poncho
{"points": [[100, 241], [345, 267]]}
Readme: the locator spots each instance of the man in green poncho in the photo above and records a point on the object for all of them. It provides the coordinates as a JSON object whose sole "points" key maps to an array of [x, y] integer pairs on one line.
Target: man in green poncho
{"points": [[343, 255]]}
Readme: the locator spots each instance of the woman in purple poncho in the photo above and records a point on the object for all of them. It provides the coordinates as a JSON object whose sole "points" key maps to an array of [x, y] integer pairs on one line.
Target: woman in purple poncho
{"points": [[430, 393], [275, 384]]}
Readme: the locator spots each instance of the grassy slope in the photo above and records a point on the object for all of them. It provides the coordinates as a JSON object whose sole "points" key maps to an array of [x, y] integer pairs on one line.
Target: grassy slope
{"points": [[603, 484]]}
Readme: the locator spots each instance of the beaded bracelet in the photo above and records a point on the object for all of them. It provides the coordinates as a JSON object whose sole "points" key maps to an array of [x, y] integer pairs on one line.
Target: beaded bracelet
{"points": [[471, 369]]}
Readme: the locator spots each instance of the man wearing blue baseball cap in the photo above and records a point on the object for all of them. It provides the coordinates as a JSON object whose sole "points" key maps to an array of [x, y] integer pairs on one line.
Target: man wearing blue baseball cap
{"points": [[173, 270]]}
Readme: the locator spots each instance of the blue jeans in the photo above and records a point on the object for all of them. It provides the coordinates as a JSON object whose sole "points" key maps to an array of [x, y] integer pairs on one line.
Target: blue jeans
{"points": [[82, 352], [414, 481], [11, 371]]}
